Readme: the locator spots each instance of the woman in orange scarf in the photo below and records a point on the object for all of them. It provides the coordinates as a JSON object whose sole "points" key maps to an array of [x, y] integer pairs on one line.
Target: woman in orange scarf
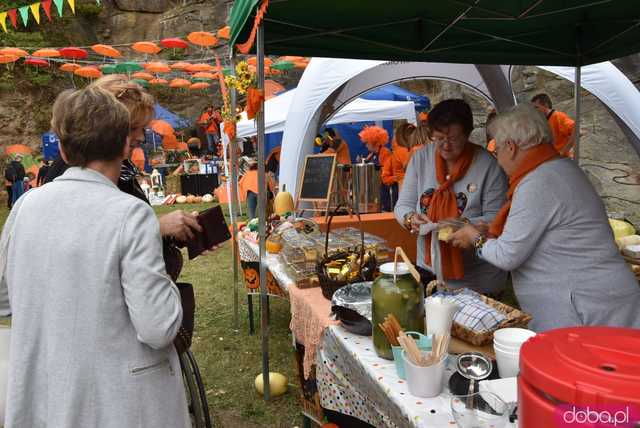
{"points": [[552, 233], [452, 179]]}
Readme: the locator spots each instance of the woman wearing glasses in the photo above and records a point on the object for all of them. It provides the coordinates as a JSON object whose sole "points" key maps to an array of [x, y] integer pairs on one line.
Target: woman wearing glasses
{"points": [[452, 179]]}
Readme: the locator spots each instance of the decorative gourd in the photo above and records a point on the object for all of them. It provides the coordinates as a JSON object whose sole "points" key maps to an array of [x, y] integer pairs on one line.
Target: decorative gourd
{"points": [[198, 200], [191, 199], [283, 203], [207, 198], [277, 384], [181, 199]]}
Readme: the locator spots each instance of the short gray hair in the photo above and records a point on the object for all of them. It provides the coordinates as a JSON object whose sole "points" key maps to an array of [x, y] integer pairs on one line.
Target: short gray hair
{"points": [[524, 125]]}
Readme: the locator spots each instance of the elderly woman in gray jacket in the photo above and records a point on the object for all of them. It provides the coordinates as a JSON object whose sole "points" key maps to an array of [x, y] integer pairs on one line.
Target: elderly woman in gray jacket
{"points": [[553, 234], [452, 179], [94, 313]]}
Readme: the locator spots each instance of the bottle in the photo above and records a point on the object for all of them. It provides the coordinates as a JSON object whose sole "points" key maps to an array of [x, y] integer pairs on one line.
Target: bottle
{"points": [[404, 298]]}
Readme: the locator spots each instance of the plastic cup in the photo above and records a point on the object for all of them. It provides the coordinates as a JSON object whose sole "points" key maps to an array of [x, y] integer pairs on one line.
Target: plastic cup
{"points": [[508, 362], [424, 382], [424, 344], [512, 337], [439, 314]]}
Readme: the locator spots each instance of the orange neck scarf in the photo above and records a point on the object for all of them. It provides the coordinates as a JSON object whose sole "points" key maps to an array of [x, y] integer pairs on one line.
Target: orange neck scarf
{"points": [[534, 157], [443, 205]]}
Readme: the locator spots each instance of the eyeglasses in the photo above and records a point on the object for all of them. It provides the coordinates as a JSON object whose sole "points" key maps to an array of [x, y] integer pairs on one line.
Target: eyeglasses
{"points": [[452, 140]]}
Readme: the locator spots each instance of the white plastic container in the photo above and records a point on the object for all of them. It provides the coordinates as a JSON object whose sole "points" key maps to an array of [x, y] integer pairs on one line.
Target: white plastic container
{"points": [[508, 362], [424, 382], [439, 315], [512, 337]]}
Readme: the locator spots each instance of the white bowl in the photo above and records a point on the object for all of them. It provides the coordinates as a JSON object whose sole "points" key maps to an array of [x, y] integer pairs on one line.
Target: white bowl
{"points": [[512, 337], [508, 364]]}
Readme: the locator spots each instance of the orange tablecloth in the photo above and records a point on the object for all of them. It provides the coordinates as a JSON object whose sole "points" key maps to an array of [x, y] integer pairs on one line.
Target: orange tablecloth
{"points": [[383, 225], [310, 315]]}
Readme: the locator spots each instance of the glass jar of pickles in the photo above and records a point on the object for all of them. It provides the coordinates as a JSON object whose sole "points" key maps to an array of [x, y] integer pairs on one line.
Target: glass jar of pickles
{"points": [[402, 297]]}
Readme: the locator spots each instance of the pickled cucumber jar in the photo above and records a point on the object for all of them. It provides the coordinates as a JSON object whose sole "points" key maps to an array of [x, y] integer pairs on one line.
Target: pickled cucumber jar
{"points": [[403, 298]]}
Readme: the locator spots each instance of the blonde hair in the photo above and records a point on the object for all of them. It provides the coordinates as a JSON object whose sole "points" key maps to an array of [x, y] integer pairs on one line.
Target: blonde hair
{"points": [[403, 134], [139, 102], [421, 136], [524, 125], [92, 125]]}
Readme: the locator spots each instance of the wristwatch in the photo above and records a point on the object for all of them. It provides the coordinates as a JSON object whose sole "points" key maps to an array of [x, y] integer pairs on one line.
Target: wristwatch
{"points": [[407, 220], [479, 242]]}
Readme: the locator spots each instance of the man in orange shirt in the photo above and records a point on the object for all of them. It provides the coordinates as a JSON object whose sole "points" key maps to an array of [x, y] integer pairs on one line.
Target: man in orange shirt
{"points": [[562, 126], [210, 120], [335, 144]]}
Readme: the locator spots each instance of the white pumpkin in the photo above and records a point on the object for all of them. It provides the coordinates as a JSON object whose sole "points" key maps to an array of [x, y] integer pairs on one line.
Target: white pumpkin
{"points": [[182, 199], [277, 381], [207, 198]]}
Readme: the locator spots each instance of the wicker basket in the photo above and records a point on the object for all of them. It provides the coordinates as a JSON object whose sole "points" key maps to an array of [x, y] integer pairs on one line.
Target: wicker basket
{"points": [[330, 286], [515, 318], [172, 185]]}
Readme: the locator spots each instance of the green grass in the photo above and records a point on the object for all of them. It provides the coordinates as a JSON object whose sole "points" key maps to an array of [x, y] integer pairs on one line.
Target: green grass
{"points": [[230, 360]]}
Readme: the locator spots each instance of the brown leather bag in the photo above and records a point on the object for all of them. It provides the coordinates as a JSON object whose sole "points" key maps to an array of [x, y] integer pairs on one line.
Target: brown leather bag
{"points": [[182, 342]]}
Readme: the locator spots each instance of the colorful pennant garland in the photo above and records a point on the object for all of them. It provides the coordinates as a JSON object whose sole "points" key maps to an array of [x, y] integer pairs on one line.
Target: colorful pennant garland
{"points": [[35, 12]]}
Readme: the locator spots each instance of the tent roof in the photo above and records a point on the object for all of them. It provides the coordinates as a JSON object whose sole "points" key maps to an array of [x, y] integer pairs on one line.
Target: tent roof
{"points": [[359, 110], [177, 122], [551, 32], [397, 93]]}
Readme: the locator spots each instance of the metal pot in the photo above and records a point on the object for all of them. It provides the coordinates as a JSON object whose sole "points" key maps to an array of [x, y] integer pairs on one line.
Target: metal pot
{"points": [[366, 188]]}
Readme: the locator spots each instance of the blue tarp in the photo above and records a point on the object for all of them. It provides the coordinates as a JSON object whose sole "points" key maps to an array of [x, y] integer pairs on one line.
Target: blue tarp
{"points": [[396, 93], [173, 119]]}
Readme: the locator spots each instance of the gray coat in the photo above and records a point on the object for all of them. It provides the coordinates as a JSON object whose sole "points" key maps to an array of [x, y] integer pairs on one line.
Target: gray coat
{"points": [[94, 313], [558, 245], [485, 188]]}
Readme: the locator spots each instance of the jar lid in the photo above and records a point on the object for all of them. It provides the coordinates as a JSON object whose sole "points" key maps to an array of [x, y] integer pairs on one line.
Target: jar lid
{"points": [[387, 269]]}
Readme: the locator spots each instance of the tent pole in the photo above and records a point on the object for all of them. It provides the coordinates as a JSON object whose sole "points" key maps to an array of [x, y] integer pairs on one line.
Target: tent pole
{"points": [[262, 221], [578, 106], [233, 199]]}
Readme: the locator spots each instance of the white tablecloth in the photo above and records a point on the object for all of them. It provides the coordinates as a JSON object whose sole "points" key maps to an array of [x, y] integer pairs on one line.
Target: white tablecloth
{"points": [[353, 380]]}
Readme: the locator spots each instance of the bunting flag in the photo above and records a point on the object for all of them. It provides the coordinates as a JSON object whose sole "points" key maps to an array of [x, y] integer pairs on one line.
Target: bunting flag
{"points": [[3, 20], [35, 11], [72, 3], [13, 14], [24, 14], [46, 5], [59, 5]]}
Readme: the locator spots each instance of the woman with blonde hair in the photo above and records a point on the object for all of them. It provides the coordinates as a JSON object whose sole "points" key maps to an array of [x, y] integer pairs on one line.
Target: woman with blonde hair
{"points": [[92, 323]]}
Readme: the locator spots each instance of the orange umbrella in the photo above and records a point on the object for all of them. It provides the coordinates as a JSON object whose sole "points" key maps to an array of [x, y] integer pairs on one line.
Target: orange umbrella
{"points": [[291, 58], [137, 157], [271, 88], [70, 67], [254, 61], [106, 50], [146, 47], [200, 85], [46, 53], [179, 83], [143, 75], [202, 38], [180, 65], [224, 32], [158, 81], [20, 149], [161, 127], [199, 67], [205, 75], [20, 53], [157, 67], [89, 72], [169, 142], [5, 59]]}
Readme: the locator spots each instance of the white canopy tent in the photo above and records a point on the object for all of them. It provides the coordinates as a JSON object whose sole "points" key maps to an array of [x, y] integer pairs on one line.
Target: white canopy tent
{"points": [[358, 110], [329, 84]]}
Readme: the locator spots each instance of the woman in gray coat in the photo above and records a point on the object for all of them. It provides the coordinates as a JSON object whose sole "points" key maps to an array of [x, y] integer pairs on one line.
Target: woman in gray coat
{"points": [[94, 313], [452, 179], [553, 234]]}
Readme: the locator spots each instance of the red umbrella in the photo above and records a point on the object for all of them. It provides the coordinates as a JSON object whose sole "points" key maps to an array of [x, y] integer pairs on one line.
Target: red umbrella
{"points": [[37, 62], [73, 53], [174, 43]]}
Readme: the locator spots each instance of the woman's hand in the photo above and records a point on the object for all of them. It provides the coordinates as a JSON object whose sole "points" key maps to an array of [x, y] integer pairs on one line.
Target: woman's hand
{"points": [[465, 237], [179, 225], [417, 220]]}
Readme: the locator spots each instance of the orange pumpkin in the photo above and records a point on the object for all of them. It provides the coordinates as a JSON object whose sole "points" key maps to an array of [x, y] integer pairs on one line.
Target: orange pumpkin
{"points": [[251, 278]]}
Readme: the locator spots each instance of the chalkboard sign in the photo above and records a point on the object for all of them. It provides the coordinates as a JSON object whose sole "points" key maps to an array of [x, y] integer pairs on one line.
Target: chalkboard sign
{"points": [[317, 178]]}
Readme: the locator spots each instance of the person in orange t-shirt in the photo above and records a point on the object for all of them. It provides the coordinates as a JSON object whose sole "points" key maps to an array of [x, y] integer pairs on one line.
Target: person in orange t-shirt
{"points": [[248, 185], [376, 139], [562, 126], [333, 143], [210, 120]]}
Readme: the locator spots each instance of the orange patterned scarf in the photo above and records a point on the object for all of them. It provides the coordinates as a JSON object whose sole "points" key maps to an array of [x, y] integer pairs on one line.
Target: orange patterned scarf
{"points": [[443, 205], [534, 157]]}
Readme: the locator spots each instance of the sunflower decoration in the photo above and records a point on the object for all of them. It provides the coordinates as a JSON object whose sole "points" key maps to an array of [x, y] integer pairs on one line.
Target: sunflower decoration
{"points": [[243, 80]]}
